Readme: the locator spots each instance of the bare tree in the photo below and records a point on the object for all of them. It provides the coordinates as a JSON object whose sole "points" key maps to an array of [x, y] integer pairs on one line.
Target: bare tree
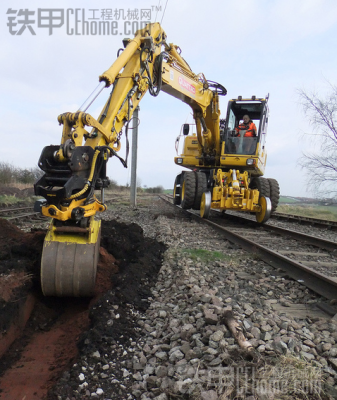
{"points": [[321, 163], [10, 174], [7, 173]]}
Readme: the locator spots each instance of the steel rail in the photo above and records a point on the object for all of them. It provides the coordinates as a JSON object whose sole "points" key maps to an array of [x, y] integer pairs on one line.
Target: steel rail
{"points": [[305, 220], [314, 280], [309, 239], [9, 210], [22, 216], [300, 219]]}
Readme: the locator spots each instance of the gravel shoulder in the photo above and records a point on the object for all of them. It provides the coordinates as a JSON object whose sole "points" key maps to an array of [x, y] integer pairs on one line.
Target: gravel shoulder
{"points": [[172, 342]]}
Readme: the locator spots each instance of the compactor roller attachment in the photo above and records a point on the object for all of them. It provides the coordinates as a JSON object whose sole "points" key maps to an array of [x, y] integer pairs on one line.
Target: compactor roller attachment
{"points": [[69, 260]]}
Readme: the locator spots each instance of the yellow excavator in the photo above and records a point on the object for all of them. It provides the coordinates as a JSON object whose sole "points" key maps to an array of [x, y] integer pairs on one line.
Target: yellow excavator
{"points": [[226, 167]]}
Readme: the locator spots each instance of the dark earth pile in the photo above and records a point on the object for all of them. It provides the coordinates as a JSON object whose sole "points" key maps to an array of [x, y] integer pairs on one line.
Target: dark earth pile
{"points": [[139, 260], [20, 255], [124, 250]]}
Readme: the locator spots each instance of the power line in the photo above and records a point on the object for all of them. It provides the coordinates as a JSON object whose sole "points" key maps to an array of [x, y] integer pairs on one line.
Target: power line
{"points": [[163, 13], [157, 11]]}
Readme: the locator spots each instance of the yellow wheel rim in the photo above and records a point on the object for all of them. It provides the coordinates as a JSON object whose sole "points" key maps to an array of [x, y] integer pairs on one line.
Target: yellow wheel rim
{"points": [[183, 191], [202, 205]]}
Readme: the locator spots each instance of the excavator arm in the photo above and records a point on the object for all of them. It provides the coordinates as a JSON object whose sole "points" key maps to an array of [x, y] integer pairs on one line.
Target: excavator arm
{"points": [[76, 168]]}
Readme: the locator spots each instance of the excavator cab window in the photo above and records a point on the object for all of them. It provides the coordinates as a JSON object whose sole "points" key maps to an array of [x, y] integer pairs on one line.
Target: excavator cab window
{"points": [[235, 140]]}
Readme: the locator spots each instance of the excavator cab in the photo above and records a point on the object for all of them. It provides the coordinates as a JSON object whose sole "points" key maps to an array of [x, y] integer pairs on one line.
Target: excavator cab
{"points": [[238, 149]]}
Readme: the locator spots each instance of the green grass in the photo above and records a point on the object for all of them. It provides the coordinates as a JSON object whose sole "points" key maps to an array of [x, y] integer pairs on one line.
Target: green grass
{"points": [[206, 255], [321, 212], [9, 200], [287, 200]]}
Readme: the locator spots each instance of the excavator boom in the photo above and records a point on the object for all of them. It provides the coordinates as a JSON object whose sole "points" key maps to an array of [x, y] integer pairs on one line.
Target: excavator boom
{"points": [[76, 168]]}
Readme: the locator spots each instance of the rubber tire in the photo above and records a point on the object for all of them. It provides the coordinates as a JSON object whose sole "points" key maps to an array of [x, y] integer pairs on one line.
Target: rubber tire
{"points": [[262, 185], [177, 190], [187, 191], [201, 187], [274, 193]]}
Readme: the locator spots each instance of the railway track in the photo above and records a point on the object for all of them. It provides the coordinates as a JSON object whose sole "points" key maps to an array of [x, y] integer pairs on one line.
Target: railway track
{"points": [[291, 218], [305, 220], [20, 213], [306, 258]]}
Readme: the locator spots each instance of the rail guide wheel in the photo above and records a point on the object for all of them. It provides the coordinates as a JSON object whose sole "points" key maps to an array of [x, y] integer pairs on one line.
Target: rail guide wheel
{"points": [[69, 260], [263, 215], [205, 204]]}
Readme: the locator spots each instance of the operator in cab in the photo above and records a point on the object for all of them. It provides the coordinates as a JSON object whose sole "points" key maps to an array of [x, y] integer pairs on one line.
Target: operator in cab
{"points": [[247, 126]]}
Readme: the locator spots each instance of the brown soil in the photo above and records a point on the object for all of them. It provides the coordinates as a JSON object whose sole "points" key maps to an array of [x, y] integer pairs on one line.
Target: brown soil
{"points": [[43, 359], [59, 330]]}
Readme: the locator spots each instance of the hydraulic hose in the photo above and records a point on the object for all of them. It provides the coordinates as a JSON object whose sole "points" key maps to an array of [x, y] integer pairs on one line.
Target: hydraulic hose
{"points": [[154, 88], [78, 194], [158, 74]]}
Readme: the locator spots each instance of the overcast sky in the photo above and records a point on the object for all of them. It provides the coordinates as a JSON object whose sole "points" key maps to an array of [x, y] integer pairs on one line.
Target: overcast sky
{"points": [[252, 47]]}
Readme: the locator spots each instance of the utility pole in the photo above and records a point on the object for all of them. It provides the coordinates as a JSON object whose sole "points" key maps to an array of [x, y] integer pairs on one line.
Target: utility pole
{"points": [[133, 184]]}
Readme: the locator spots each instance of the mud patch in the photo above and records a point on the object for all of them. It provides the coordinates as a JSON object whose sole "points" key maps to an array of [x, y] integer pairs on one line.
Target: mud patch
{"points": [[59, 323], [20, 255]]}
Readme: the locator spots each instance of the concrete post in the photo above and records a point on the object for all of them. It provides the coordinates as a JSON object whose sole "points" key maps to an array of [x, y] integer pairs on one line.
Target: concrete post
{"points": [[133, 184]]}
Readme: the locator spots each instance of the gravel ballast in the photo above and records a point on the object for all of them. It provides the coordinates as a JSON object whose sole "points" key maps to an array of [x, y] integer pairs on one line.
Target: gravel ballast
{"points": [[177, 344]]}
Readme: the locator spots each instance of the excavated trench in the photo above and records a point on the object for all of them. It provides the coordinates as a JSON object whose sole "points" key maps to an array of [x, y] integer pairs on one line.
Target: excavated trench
{"points": [[40, 337]]}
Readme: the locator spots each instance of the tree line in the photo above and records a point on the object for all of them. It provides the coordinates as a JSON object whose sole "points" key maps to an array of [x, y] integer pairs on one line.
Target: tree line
{"points": [[9, 174]]}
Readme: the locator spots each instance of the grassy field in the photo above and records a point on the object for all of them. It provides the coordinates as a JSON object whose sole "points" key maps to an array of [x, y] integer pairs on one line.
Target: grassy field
{"points": [[287, 200], [10, 200], [321, 212]]}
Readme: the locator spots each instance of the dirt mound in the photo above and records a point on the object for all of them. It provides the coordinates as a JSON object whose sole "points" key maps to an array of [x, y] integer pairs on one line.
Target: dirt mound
{"points": [[13, 191], [9, 191], [113, 318], [19, 251], [20, 255], [139, 260]]}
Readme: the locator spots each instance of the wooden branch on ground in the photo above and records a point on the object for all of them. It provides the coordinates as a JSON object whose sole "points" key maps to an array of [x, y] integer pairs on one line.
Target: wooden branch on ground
{"points": [[236, 330]]}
